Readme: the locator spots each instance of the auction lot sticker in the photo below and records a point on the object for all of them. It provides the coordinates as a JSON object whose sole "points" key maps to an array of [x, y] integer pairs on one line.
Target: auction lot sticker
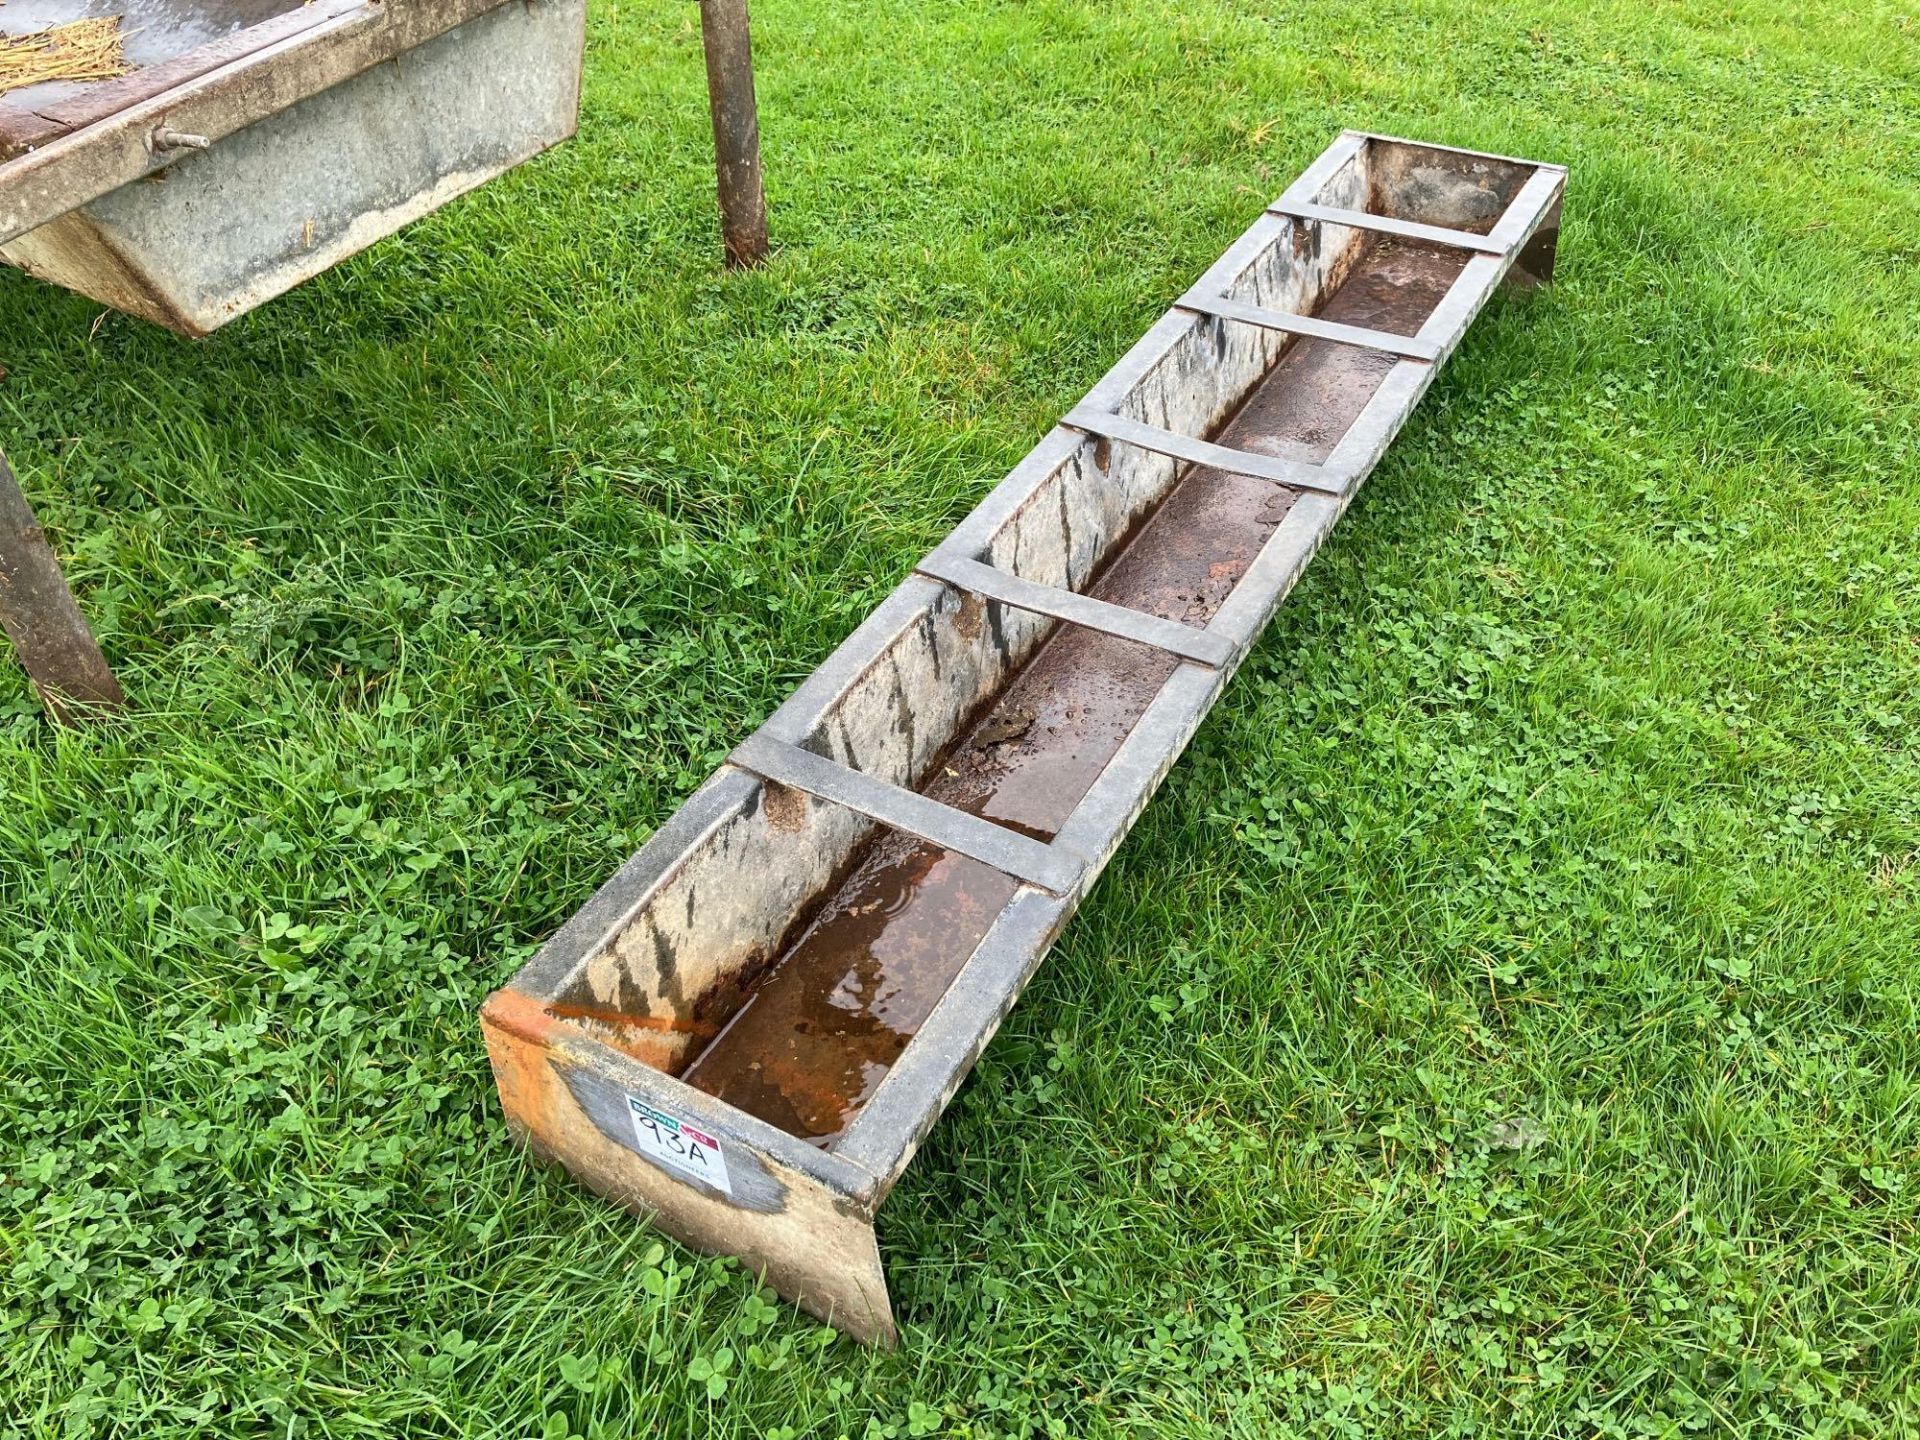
{"points": [[679, 1146]]}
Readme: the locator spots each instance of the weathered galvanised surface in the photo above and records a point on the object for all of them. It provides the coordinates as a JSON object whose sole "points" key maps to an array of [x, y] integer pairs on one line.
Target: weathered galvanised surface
{"points": [[748, 1031], [261, 141]]}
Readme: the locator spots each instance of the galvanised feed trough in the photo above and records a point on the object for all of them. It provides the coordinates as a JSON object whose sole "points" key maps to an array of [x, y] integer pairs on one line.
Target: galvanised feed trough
{"points": [[253, 143], [258, 142], [748, 1031]]}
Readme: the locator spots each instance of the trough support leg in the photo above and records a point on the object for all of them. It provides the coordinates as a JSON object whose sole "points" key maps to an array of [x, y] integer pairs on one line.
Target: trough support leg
{"points": [[1534, 264], [736, 130], [40, 616]]}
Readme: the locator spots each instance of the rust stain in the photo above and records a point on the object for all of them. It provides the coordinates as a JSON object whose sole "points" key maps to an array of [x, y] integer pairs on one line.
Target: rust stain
{"points": [[786, 808], [966, 619], [516, 1028], [517, 1014], [567, 1010], [854, 989]]}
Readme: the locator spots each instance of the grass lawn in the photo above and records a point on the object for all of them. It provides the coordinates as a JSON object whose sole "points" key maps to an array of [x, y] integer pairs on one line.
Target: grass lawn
{"points": [[1505, 1023]]}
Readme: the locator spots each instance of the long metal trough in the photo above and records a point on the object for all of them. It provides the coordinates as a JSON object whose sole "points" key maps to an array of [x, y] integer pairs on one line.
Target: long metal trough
{"points": [[748, 1031]]}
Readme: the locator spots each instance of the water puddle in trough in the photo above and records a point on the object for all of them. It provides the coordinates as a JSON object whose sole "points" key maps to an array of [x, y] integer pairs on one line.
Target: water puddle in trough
{"points": [[832, 1014]]}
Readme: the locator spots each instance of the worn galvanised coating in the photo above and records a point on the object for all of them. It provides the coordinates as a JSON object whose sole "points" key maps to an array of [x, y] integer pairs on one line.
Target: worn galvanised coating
{"points": [[259, 210], [62, 155], [658, 976]]}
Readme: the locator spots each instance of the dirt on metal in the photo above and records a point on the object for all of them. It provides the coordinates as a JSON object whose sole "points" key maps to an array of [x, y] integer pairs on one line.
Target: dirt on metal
{"points": [[807, 1045]]}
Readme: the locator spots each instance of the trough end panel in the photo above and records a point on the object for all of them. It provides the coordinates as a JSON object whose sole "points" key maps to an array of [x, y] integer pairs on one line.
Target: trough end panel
{"points": [[705, 1178]]}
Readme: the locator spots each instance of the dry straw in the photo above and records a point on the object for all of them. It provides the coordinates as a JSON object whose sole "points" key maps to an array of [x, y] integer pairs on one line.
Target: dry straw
{"points": [[79, 50]]}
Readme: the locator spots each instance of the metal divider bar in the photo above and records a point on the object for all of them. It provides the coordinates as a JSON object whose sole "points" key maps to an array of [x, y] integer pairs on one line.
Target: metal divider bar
{"points": [[1388, 225], [1203, 452], [1408, 346], [1051, 868], [1190, 642]]}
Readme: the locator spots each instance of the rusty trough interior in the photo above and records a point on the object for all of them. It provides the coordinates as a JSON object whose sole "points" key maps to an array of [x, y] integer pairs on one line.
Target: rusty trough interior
{"points": [[807, 959], [824, 1022]]}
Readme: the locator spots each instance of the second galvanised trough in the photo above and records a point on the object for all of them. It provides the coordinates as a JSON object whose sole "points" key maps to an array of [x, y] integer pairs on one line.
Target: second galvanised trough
{"points": [[747, 1032], [252, 144]]}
